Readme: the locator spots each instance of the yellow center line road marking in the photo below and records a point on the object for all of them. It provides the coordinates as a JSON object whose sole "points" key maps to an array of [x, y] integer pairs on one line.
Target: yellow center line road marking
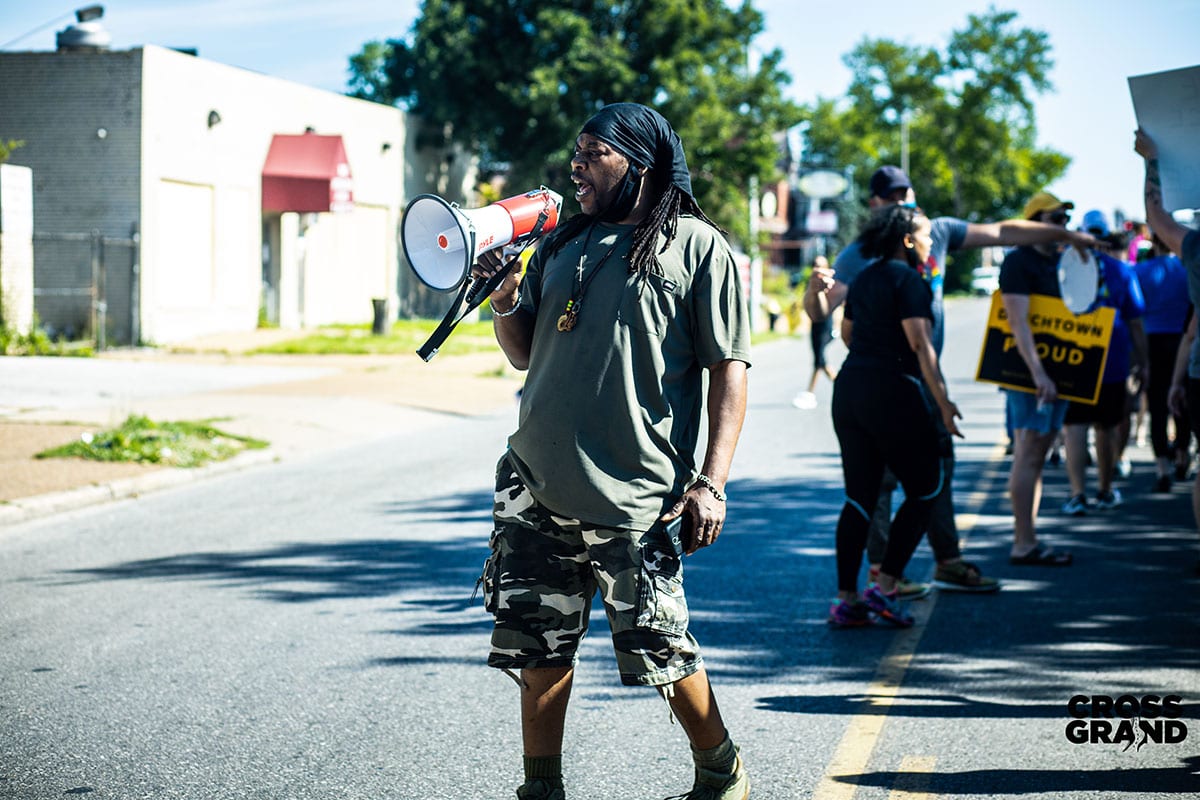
{"points": [[853, 753], [913, 781]]}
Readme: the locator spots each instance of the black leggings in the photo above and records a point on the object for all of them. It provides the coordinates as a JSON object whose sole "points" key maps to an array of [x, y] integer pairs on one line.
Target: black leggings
{"points": [[882, 420], [820, 337], [1163, 347]]}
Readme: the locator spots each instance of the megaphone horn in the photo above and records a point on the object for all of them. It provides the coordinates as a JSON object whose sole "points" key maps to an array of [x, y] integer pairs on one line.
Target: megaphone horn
{"points": [[441, 240]]}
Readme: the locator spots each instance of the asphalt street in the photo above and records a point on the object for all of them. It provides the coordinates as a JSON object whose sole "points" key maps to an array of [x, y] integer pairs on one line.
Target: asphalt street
{"points": [[305, 629], [81, 383]]}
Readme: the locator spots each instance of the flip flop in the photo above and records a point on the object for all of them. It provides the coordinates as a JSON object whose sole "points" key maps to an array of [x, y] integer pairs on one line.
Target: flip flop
{"points": [[1041, 556]]}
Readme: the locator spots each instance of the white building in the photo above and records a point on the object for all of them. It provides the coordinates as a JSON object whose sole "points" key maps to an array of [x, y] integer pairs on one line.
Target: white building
{"points": [[223, 198]]}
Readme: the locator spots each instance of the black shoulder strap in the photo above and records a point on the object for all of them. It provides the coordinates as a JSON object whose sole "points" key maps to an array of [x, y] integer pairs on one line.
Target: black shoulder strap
{"points": [[473, 293]]}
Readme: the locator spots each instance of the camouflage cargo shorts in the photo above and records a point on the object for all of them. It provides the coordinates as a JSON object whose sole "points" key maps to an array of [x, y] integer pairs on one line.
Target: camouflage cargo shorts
{"points": [[544, 570]]}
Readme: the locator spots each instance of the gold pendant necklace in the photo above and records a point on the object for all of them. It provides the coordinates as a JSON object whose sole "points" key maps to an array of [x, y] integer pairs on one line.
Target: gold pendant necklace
{"points": [[566, 322]]}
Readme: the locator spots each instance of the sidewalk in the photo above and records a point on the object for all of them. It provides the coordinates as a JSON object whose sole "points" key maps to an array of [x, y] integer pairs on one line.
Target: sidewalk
{"points": [[301, 405]]}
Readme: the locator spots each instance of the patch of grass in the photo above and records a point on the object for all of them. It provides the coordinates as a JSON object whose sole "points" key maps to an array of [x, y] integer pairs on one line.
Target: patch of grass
{"points": [[38, 343], [405, 337], [141, 440]]}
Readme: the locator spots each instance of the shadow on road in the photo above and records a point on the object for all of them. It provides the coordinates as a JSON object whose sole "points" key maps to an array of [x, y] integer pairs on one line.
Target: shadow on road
{"points": [[759, 599], [443, 556], [927, 706], [1142, 782]]}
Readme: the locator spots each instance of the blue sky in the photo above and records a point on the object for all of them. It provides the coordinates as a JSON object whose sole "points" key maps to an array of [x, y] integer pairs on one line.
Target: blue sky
{"points": [[1096, 44]]}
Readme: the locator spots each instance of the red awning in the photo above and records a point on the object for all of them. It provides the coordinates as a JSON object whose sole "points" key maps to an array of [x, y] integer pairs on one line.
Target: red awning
{"points": [[307, 173]]}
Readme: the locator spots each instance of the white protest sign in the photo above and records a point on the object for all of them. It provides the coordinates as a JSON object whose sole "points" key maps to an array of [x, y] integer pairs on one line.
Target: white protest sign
{"points": [[1078, 279], [1167, 105]]}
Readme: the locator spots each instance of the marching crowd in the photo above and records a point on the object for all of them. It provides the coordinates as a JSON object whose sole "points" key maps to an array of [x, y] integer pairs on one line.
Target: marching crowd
{"points": [[895, 423]]}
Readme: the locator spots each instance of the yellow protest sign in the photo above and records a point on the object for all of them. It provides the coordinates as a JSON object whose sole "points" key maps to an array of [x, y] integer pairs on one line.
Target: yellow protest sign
{"points": [[1073, 348]]}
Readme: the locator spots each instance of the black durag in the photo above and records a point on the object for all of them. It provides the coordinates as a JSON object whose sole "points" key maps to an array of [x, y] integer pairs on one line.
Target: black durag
{"points": [[643, 136]]}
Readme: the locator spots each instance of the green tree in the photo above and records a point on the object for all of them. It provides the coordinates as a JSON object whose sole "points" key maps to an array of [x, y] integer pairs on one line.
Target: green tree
{"points": [[368, 75], [7, 148], [968, 110], [512, 80]]}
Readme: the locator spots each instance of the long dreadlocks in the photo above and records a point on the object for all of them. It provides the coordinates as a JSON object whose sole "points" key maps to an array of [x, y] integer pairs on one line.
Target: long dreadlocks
{"points": [[663, 218]]}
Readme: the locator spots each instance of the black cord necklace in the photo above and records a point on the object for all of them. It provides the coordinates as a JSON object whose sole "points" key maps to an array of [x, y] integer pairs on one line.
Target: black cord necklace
{"points": [[570, 315]]}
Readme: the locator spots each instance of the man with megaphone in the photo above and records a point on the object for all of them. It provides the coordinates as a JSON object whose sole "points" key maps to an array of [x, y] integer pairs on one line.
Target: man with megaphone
{"points": [[620, 311]]}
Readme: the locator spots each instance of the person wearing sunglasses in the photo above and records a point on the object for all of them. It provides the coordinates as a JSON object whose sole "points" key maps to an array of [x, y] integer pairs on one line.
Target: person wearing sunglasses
{"points": [[1035, 418], [890, 185]]}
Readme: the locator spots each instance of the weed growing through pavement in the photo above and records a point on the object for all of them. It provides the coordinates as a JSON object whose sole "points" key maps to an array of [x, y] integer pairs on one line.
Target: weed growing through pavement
{"points": [[141, 440]]}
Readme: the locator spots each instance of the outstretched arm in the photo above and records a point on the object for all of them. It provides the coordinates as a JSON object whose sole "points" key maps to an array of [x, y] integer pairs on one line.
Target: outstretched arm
{"points": [[1163, 224], [1016, 232]]}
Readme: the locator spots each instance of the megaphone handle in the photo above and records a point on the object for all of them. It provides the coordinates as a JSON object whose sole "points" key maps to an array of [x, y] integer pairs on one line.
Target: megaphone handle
{"points": [[482, 287]]}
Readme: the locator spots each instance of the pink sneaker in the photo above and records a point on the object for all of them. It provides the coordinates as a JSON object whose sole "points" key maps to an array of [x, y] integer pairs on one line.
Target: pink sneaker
{"points": [[849, 614], [887, 606]]}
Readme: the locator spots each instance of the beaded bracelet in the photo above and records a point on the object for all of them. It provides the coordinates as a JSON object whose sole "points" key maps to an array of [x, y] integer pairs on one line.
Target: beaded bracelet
{"points": [[707, 483], [508, 313]]}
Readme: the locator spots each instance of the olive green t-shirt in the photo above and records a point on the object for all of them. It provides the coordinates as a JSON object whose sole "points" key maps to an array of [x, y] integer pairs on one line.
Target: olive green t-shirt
{"points": [[610, 412]]}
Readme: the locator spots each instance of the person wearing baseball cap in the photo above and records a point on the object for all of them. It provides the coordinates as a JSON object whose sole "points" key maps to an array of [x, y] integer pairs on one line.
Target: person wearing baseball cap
{"points": [[1045, 205], [888, 180], [1095, 223], [890, 185], [1128, 355], [1035, 418]]}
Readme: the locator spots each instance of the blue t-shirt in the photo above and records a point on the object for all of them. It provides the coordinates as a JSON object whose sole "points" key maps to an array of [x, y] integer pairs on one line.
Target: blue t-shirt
{"points": [[1164, 285], [948, 234], [1119, 290]]}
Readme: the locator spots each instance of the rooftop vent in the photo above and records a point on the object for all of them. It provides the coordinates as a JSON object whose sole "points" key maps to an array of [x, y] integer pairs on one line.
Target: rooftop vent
{"points": [[87, 34]]}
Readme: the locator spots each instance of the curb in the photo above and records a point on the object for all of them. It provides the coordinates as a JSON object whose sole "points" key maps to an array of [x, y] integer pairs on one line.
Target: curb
{"points": [[28, 508]]}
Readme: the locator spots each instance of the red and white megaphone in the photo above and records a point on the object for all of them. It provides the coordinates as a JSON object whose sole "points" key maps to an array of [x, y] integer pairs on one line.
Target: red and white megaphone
{"points": [[441, 241]]}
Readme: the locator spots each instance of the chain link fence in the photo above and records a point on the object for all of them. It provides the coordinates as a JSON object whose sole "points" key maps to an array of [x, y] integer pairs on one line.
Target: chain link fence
{"points": [[86, 287]]}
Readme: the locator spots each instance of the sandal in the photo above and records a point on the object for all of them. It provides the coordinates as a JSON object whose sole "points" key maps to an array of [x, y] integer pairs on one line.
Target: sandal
{"points": [[1041, 556]]}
